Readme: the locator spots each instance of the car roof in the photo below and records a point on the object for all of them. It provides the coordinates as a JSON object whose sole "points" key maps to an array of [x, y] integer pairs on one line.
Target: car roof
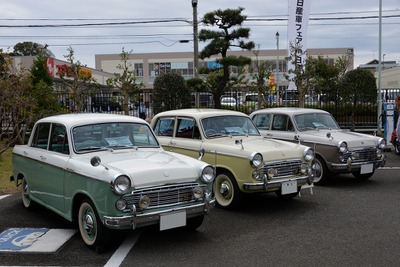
{"points": [[201, 112], [290, 110], [74, 119]]}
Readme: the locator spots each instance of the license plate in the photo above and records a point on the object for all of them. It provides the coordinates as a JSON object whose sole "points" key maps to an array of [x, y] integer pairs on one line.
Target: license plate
{"points": [[172, 220], [289, 187], [367, 168]]}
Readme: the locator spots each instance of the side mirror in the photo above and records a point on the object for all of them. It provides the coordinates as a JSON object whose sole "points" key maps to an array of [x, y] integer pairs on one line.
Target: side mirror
{"points": [[202, 152], [95, 161]]}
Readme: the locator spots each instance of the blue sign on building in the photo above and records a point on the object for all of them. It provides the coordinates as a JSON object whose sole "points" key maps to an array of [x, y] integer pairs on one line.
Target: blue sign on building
{"points": [[17, 239]]}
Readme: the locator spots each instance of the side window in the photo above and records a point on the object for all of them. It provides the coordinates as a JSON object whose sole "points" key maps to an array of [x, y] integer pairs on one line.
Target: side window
{"points": [[164, 127], [280, 122], [41, 137], [187, 128], [59, 139], [262, 121]]}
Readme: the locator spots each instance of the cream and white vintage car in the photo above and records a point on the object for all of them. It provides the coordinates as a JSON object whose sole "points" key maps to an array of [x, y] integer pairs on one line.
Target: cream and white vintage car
{"points": [[245, 162], [108, 172], [336, 150]]}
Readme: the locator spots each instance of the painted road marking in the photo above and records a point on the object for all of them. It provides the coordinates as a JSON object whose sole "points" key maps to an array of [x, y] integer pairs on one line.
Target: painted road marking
{"points": [[3, 196], [123, 250], [34, 239]]}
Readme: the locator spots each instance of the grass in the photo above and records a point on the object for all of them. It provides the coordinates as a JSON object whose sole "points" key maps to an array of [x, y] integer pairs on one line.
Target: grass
{"points": [[6, 187]]}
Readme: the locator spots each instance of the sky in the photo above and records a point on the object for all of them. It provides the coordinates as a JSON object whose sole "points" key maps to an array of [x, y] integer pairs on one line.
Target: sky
{"points": [[107, 27]]}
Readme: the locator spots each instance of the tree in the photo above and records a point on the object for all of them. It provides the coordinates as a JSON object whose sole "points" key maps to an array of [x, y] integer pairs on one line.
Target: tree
{"points": [[125, 81], [43, 90], [357, 86], [221, 41], [31, 49], [170, 92], [77, 79], [260, 70], [17, 104]]}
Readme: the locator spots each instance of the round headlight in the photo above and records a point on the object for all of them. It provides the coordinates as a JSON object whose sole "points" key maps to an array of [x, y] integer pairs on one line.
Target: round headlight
{"points": [[381, 143], [207, 174], [342, 146], [256, 159], [120, 204], [121, 184], [308, 154]]}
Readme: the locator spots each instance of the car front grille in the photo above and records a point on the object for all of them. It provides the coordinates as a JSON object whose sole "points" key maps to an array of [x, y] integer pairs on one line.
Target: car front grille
{"points": [[162, 196], [362, 155], [284, 168]]}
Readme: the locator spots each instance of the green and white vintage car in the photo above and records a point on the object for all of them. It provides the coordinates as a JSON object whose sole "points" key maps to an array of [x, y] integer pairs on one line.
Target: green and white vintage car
{"points": [[245, 162], [108, 172]]}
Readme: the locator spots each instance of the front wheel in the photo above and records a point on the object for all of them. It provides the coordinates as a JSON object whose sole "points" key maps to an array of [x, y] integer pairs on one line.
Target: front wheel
{"points": [[288, 196], [320, 170], [226, 190], [91, 229]]}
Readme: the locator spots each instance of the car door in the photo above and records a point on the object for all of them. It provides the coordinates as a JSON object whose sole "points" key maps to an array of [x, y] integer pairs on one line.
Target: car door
{"points": [[187, 138], [50, 148], [164, 130]]}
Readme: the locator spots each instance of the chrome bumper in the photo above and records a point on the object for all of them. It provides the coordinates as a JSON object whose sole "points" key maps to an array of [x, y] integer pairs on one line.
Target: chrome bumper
{"points": [[269, 185], [134, 220], [350, 166]]}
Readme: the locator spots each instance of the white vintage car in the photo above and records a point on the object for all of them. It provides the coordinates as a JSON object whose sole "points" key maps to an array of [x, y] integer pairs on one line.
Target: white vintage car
{"points": [[336, 150], [245, 162], [109, 172]]}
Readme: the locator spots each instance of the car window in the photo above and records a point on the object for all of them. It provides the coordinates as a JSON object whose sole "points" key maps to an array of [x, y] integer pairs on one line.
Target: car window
{"points": [[41, 136], [280, 122], [164, 127], [228, 125], [59, 139], [262, 121], [112, 135], [314, 121], [187, 128]]}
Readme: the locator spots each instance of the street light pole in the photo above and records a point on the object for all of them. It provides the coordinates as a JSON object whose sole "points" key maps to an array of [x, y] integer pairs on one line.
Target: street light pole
{"points": [[196, 50], [195, 40], [277, 69]]}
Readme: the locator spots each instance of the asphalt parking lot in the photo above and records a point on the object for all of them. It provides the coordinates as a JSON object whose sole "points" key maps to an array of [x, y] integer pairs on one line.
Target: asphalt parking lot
{"points": [[345, 223]]}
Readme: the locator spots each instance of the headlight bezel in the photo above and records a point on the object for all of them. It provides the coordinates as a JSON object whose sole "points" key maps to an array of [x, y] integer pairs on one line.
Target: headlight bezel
{"points": [[256, 159], [308, 154], [381, 143], [121, 184], [207, 174], [342, 147]]}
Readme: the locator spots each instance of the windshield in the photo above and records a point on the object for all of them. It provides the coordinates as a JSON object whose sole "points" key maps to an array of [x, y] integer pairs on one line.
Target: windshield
{"points": [[95, 137], [315, 121], [228, 125]]}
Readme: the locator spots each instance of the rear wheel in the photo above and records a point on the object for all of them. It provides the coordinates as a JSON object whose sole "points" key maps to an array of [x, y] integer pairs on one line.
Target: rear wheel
{"points": [[92, 231], [226, 190], [25, 194]]}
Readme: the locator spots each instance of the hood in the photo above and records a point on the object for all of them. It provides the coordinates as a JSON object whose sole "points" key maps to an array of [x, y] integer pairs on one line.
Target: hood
{"points": [[353, 139], [271, 149], [147, 168]]}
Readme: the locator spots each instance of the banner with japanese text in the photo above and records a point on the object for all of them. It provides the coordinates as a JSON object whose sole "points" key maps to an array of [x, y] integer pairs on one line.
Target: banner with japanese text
{"points": [[299, 12]]}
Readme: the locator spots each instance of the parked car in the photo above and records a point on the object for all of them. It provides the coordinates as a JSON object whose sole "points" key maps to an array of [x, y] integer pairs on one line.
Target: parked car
{"points": [[228, 101], [395, 142], [109, 172], [245, 162], [336, 150]]}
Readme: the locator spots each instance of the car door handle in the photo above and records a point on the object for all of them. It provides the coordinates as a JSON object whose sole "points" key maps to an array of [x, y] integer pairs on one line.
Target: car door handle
{"points": [[42, 157], [172, 143]]}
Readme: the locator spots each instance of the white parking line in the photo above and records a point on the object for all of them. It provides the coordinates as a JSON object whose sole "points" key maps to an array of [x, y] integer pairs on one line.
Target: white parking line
{"points": [[123, 250], [388, 168], [3, 196]]}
